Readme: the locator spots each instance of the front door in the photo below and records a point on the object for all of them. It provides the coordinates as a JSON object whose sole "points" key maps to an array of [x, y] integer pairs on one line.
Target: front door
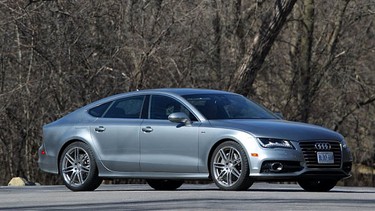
{"points": [[168, 146]]}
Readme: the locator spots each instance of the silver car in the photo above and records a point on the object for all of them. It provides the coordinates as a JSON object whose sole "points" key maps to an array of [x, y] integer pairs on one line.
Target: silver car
{"points": [[167, 136]]}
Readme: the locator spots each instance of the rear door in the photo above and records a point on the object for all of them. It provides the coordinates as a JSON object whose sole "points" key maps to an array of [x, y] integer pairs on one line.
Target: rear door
{"points": [[116, 134]]}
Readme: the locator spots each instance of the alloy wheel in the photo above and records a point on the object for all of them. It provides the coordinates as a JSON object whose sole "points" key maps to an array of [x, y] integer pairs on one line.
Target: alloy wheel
{"points": [[76, 166], [227, 166]]}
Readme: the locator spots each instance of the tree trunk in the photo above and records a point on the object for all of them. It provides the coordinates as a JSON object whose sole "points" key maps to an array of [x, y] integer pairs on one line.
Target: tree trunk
{"points": [[216, 24], [245, 75], [304, 68]]}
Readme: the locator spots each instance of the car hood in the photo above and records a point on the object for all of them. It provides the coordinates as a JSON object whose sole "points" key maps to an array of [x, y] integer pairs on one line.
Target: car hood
{"points": [[279, 129]]}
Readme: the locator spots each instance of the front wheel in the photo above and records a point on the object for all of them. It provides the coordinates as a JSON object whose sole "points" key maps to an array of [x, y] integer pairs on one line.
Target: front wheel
{"points": [[160, 184], [230, 167], [78, 168], [316, 185]]}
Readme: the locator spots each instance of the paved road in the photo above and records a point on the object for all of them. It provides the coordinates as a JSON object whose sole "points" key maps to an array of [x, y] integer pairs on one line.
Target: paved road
{"points": [[261, 196]]}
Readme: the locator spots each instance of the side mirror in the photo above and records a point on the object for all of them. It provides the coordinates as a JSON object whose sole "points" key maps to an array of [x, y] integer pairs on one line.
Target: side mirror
{"points": [[179, 117]]}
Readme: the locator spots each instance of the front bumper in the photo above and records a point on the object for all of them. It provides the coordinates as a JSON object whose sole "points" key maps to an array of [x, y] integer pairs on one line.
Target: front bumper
{"points": [[305, 173], [301, 163]]}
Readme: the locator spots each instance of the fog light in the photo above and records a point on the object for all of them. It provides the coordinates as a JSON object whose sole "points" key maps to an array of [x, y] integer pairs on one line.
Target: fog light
{"points": [[276, 167]]}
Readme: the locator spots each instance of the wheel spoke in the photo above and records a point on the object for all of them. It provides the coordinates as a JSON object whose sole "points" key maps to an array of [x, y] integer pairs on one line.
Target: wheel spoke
{"points": [[76, 155], [236, 173], [85, 158], [237, 162], [223, 155], [221, 175], [73, 178], [69, 159], [231, 154], [229, 178], [86, 169], [67, 169], [219, 165], [80, 178]]}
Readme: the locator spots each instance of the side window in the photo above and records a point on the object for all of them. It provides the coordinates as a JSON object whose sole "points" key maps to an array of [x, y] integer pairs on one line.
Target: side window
{"points": [[98, 111], [162, 107], [126, 108]]}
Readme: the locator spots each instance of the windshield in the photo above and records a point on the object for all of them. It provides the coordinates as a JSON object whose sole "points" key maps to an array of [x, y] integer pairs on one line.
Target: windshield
{"points": [[228, 106]]}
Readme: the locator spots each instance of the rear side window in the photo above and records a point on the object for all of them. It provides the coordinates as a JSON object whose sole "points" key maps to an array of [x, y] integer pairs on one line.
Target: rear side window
{"points": [[98, 111], [126, 108]]}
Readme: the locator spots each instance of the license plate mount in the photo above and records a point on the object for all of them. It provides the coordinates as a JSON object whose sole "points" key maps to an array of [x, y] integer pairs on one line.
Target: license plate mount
{"points": [[325, 157]]}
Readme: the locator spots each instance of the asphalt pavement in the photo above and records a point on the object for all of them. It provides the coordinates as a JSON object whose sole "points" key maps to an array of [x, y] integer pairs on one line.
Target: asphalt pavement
{"points": [[261, 196]]}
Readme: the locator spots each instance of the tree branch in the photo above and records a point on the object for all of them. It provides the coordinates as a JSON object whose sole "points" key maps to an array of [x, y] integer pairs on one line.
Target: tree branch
{"points": [[354, 108], [245, 75]]}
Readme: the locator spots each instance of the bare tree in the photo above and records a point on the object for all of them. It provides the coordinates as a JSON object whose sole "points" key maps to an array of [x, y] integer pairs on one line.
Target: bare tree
{"points": [[245, 76], [56, 56]]}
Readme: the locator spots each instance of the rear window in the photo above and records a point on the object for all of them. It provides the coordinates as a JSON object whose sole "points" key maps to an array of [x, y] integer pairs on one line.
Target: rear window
{"points": [[126, 108], [98, 111]]}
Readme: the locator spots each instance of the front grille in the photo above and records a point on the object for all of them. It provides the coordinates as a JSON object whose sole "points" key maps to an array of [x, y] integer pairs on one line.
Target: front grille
{"points": [[310, 154]]}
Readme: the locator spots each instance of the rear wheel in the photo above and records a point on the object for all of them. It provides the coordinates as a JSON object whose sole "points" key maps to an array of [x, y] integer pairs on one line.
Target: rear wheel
{"points": [[316, 185], [78, 168], [230, 167], [160, 184]]}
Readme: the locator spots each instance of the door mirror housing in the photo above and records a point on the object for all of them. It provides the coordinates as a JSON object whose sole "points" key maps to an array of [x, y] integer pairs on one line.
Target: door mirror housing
{"points": [[179, 117]]}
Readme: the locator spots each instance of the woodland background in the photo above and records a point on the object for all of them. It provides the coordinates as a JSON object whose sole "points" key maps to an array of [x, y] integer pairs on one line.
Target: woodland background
{"points": [[313, 62]]}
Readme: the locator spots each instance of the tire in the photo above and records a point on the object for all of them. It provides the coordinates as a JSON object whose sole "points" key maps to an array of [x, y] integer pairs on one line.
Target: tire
{"points": [[314, 185], [160, 184], [78, 168], [230, 167]]}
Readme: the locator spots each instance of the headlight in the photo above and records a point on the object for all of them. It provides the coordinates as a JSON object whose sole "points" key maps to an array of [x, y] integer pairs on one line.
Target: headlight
{"points": [[275, 143]]}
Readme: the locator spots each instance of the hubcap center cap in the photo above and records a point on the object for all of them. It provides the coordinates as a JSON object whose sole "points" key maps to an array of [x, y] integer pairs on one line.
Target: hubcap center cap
{"points": [[77, 167]]}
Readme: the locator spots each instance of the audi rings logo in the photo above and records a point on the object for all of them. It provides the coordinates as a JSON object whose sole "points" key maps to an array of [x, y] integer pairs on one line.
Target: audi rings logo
{"points": [[323, 146]]}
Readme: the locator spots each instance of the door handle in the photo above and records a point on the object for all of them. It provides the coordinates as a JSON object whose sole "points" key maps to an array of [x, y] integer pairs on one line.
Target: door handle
{"points": [[147, 129], [100, 129]]}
